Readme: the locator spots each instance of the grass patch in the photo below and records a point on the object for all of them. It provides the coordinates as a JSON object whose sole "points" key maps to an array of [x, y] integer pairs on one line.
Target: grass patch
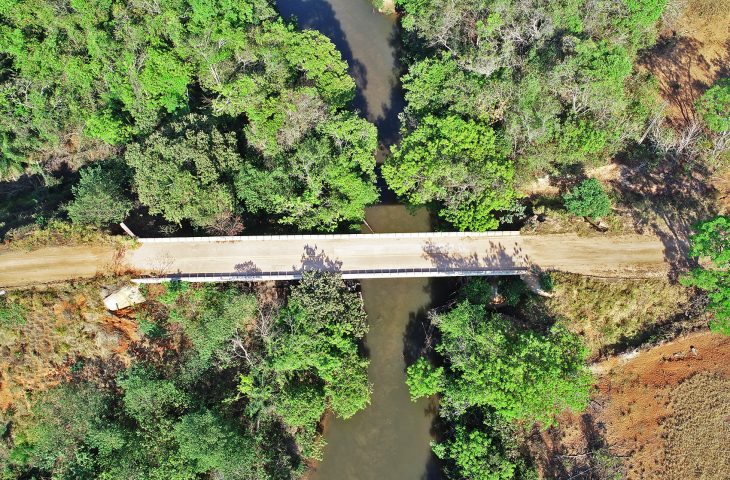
{"points": [[615, 313], [59, 233], [695, 435]]}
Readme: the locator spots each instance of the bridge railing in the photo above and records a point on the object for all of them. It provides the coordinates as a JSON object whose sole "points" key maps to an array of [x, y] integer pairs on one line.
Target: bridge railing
{"points": [[333, 236], [346, 274]]}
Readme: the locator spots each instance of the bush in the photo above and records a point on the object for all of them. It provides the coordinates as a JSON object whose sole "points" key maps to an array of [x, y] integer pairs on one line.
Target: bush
{"points": [[588, 199], [712, 241], [714, 106], [99, 198]]}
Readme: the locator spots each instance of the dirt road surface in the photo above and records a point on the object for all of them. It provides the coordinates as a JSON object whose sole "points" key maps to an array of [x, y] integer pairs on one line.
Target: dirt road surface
{"points": [[53, 264], [636, 256]]}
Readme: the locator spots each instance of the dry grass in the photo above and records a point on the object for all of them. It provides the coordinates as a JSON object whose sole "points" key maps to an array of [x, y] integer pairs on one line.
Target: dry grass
{"points": [[58, 326], [58, 233], [608, 313], [696, 434]]}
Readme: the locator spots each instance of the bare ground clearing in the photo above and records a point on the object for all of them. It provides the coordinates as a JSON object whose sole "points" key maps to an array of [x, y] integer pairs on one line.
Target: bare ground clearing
{"points": [[656, 411]]}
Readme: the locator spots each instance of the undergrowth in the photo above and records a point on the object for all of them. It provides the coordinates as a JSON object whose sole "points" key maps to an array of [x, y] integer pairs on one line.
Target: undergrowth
{"points": [[59, 233], [611, 314]]}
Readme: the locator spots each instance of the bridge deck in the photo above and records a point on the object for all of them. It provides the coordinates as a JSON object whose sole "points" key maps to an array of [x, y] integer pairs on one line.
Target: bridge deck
{"points": [[355, 256], [393, 255]]}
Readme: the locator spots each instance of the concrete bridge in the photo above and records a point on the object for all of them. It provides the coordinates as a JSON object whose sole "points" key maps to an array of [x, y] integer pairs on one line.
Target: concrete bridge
{"points": [[258, 258], [357, 256]]}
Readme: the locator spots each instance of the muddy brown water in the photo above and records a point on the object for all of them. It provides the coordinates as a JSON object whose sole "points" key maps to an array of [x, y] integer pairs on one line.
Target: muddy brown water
{"points": [[389, 440], [369, 42]]}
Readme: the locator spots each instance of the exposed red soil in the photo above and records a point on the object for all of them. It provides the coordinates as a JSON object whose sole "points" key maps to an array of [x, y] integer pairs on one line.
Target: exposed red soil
{"points": [[632, 402]]}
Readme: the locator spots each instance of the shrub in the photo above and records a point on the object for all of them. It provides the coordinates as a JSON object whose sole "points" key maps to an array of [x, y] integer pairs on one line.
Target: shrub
{"points": [[588, 199], [99, 198], [714, 106], [712, 241]]}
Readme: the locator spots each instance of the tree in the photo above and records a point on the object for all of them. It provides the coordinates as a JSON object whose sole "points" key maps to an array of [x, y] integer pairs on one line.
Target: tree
{"points": [[11, 162], [150, 399], [714, 106], [327, 179], [588, 199], [61, 420], [317, 333], [209, 315], [482, 452], [423, 380], [184, 172], [712, 242], [99, 197], [460, 163], [520, 374], [214, 447]]}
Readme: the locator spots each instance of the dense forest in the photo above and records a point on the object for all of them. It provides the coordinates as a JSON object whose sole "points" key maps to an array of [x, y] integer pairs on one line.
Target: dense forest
{"points": [[502, 92], [215, 116], [222, 383], [211, 109], [496, 375]]}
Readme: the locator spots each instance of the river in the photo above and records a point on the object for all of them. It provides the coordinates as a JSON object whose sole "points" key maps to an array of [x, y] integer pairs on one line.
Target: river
{"points": [[389, 440]]}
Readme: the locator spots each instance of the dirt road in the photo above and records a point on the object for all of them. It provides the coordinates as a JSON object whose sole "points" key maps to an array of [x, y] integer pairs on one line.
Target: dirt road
{"points": [[639, 256], [53, 264]]}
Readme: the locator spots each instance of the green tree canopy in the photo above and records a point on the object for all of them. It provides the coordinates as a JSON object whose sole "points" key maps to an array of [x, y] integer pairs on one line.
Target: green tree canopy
{"points": [[79, 432], [209, 316], [327, 179], [554, 80], [317, 333], [482, 451], [588, 199], [459, 163], [521, 374], [495, 377], [117, 72], [99, 197], [184, 172]]}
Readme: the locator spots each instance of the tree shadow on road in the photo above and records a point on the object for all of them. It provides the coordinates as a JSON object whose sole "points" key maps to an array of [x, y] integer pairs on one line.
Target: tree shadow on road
{"points": [[314, 259], [497, 257], [667, 200]]}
